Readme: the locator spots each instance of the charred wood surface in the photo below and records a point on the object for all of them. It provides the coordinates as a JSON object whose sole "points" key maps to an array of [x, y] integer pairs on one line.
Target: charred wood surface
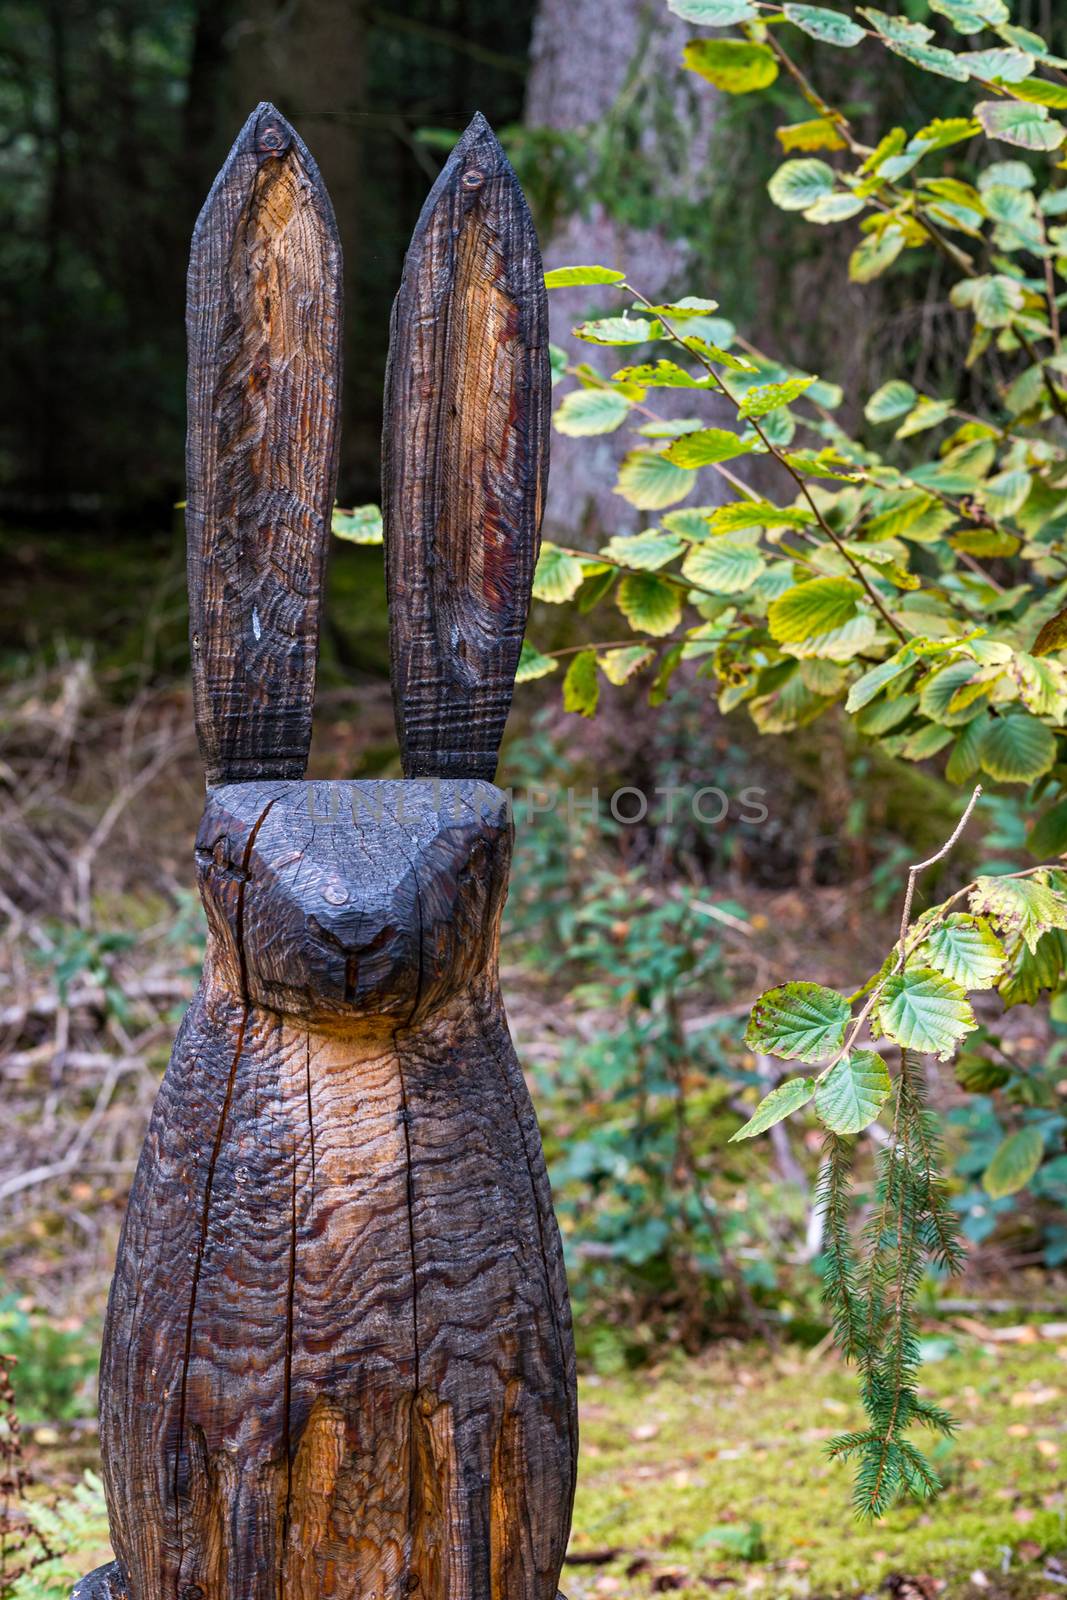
{"points": [[465, 453], [338, 1357], [264, 329], [338, 1361]]}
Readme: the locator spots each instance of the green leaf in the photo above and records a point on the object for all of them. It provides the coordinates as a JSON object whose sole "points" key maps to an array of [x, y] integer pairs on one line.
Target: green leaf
{"points": [[661, 375], [798, 184], [581, 689], [943, 131], [704, 448], [645, 551], [767, 397], [532, 664], [650, 604], [873, 682], [921, 1010], [995, 300], [875, 253], [971, 16], [1026, 907], [962, 763], [939, 690], [1041, 92], [925, 414], [965, 949], [618, 330], [733, 65], [724, 565], [618, 666], [853, 1092], [813, 608], [829, 27], [1048, 836], [1017, 748], [1001, 62], [894, 399], [558, 576], [650, 480], [691, 521], [714, 13], [816, 133], [802, 1021], [363, 525], [577, 277], [589, 411], [899, 28], [1028, 126], [669, 427], [738, 514], [780, 1103], [1014, 1163], [930, 58], [834, 208]]}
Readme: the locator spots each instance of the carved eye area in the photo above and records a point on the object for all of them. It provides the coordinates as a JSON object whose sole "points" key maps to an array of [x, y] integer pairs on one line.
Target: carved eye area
{"points": [[473, 178], [270, 141]]}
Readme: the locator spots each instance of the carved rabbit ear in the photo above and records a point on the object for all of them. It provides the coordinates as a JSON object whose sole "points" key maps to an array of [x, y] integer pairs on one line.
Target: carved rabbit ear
{"points": [[264, 327], [464, 460]]}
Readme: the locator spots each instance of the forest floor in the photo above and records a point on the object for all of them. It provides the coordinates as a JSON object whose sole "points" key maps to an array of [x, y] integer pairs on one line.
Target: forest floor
{"points": [[711, 1475]]}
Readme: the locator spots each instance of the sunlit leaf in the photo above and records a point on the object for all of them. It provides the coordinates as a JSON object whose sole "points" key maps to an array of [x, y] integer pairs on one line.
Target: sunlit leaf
{"points": [[965, 949], [558, 576], [894, 399], [645, 551], [802, 1021], [723, 565], [922, 1010], [581, 688], [732, 65], [705, 447], [1027, 907], [1015, 122], [774, 1107], [649, 480], [577, 277], [853, 1092], [829, 27], [650, 604], [798, 184], [532, 664], [590, 411]]}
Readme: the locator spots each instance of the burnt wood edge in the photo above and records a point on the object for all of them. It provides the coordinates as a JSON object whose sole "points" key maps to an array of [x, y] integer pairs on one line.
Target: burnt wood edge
{"points": [[262, 120]]}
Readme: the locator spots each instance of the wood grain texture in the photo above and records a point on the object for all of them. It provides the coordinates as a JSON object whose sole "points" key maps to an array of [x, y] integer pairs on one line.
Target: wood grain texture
{"points": [[465, 454], [338, 1357], [264, 329]]}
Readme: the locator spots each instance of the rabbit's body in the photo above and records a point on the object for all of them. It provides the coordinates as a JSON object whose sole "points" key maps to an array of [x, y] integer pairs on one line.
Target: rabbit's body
{"points": [[373, 1149], [338, 1361]]}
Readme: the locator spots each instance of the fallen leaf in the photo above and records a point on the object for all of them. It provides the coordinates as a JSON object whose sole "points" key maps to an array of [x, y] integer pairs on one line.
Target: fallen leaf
{"points": [[1034, 1397]]}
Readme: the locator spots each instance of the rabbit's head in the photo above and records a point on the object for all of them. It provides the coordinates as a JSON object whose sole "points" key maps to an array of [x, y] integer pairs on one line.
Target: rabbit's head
{"points": [[334, 902]]}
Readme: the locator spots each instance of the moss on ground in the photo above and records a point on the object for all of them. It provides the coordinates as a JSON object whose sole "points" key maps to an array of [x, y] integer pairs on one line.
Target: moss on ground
{"points": [[738, 1440], [741, 1439]]}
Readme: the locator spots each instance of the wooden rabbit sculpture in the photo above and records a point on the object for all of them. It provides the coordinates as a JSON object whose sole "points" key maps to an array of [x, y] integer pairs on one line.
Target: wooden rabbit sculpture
{"points": [[338, 1358]]}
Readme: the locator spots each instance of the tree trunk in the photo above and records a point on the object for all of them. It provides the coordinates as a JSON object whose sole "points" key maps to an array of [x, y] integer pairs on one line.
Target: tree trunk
{"points": [[307, 57], [649, 128]]}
